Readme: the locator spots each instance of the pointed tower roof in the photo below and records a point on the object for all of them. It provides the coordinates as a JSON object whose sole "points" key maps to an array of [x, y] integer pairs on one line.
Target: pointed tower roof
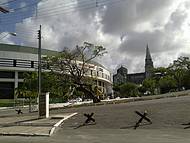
{"points": [[148, 56]]}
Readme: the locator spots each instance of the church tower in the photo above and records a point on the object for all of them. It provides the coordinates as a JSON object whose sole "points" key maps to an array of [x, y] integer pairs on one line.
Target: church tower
{"points": [[148, 64]]}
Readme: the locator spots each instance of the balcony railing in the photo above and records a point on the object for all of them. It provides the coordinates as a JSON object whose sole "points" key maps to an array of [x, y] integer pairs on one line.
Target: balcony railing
{"points": [[18, 63], [4, 62]]}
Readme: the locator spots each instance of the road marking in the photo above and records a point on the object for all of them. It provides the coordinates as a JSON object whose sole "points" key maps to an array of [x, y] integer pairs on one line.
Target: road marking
{"points": [[60, 122]]}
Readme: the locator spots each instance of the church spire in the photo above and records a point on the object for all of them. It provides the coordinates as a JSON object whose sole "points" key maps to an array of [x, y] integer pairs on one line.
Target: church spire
{"points": [[148, 56], [148, 63]]}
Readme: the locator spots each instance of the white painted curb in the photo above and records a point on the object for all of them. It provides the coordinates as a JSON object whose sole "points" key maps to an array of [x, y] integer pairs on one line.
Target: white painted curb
{"points": [[60, 122]]}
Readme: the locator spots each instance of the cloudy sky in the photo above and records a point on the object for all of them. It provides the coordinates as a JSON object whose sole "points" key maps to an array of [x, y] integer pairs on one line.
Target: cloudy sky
{"points": [[123, 27]]}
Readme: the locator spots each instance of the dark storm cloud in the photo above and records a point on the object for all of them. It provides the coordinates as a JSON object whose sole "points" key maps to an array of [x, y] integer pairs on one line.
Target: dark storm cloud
{"points": [[126, 15], [120, 17], [136, 42]]}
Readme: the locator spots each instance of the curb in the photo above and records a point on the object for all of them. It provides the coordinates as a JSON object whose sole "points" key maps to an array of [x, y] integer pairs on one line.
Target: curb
{"points": [[136, 99], [51, 131], [24, 134], [59, 123]]}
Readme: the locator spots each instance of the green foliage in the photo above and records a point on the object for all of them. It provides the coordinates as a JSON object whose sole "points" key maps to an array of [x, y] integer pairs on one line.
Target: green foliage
{"points": [[142, 90], [126, 90], [29, 86], [6, 102], [116, 87], [149, 85], [179, 70], [175, 77], [70, 67], [186, 80], [167, 84], [182, 63], [116, 90], [50, 83]]}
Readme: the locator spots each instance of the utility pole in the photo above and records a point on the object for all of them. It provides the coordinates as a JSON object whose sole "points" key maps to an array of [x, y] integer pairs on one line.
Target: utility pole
{"points": [[39, 68]]}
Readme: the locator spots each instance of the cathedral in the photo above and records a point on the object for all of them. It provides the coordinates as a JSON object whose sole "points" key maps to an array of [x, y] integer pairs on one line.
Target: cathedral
{"points": [[122, 75]]}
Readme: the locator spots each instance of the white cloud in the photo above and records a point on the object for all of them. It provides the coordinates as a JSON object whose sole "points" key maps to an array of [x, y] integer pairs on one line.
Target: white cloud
{"points": [[5, 37], [124, 29]]}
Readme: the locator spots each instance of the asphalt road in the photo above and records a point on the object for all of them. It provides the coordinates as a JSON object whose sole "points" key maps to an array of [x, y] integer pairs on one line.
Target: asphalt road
{"points": [[115, 123]]}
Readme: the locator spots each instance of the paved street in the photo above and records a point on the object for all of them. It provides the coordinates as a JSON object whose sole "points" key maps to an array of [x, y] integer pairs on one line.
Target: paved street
{"points": [[28, 124], [114, 123]]}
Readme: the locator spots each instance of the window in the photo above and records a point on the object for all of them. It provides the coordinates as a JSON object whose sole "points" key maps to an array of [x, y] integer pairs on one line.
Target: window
{"points": [[99, 83], [6, 74], [100, 69], [21, 75], [97, 73], [6, 90]]}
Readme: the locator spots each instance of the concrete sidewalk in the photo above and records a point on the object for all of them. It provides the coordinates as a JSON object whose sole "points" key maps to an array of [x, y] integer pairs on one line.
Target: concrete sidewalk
{"points": [[31, 125]]}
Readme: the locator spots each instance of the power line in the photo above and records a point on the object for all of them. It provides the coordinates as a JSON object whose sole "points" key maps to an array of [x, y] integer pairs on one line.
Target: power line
{"points": [[23, 30], [30, 35], [57, 7], [29, 5], [22, 15], [87, 6], [62, 5], [42, 9], [72, 9], [35, 3], [8, 2], [69, 7]]}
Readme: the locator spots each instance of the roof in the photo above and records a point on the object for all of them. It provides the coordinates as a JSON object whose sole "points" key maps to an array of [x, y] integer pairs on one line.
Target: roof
{"points": [[136, 74], [148, 56], [25, 49], [34, 50]]}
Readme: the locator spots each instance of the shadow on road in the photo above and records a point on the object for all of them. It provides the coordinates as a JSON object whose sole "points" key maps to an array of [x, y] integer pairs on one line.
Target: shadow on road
{"points": [[82, 125], [133, 126]]}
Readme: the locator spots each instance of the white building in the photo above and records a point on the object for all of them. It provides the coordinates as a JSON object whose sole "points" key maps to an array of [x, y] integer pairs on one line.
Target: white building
{"points": [[14, 60]]}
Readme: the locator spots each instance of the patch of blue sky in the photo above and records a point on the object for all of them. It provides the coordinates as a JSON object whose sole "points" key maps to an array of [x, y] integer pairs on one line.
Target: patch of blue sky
{"points": [[19, 10]]}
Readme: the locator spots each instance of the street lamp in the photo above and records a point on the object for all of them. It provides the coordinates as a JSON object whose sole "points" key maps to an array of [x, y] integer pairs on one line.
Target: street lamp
{"points": [[9, 33]]}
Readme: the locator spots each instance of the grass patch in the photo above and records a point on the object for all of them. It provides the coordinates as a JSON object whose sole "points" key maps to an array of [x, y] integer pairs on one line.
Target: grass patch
{"points": [[6, 102]]}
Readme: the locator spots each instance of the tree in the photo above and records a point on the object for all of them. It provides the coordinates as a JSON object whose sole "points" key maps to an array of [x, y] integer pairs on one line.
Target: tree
{"points": [[28, 89], [181, 63], [150, 85], [159, 72], [186, 80], [116, 89], [72, 66], [179, 70], [167, 83], [142, 90], [128, 90], [50, 83]]}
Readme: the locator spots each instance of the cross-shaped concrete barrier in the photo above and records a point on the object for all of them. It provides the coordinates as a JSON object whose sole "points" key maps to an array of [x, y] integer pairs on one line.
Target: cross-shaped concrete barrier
{"points": [[143, 117]]}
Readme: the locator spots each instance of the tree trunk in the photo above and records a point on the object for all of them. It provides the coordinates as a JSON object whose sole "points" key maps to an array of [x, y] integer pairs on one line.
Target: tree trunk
{"points": [[89, 94]]}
